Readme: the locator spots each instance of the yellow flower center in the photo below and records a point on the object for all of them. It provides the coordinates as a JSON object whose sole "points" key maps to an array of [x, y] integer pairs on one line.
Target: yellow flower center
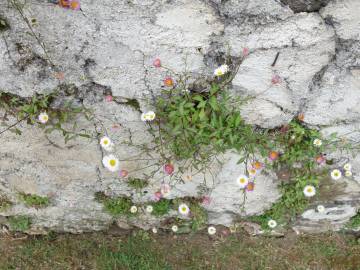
{"points": [[112, 162], [106, 142], [242, 180], [45, 118], [74, 5], [309, 190], [183, 209]]}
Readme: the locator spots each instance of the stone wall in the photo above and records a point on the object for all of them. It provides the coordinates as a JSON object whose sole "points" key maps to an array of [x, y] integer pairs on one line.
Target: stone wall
{"points": [[107, 48]]}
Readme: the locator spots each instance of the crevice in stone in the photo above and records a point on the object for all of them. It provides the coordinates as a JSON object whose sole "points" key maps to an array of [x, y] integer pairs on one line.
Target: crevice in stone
{"points": [[318, 76], [87, 65], [305, 5], [132, 102], [4, 25]]}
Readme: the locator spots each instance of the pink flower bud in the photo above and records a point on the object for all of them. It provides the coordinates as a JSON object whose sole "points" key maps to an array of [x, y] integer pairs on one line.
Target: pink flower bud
{"points": [[168, 169], [276, 79], [157, 196], [246, 52], [157, 63], [206, 200], [108, 98], [124, 173], [165, 190], [320, 159]]}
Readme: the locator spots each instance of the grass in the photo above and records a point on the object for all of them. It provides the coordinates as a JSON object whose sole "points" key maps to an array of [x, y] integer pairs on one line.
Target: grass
{"points": [[161, 207], [354, 222], [33, 200], [143, 251], [115, 206], [19, 223]]}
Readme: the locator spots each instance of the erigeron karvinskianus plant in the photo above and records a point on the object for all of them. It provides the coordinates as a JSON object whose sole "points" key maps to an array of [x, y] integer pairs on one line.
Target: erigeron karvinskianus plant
{"points": [[200, 125], [40, 110]]}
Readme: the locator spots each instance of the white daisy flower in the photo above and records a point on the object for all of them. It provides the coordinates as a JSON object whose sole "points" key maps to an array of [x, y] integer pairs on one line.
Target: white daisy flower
{"points": [[43, 118], [347, 167], [242, 181], [320, 208], [174, 228], [133, 209], [106, 143], [154, 230], [348, 173], [211, 230], [272, 223], [184, 209], [143, 117], [336, 174], [150, 115], [317, 142], [309, 191], [149, 208], [220, 71], [111, 163], [252, 172]]}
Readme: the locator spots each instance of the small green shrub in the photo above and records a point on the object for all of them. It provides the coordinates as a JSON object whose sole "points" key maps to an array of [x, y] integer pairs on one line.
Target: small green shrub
{"points": [[354, 222], [19, 223], [33, 200], [199, 217], [162, 207], [204, 124], [115, 206]]}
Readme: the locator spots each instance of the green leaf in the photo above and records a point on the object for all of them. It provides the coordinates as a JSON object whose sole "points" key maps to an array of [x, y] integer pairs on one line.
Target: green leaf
{"points": [[85, 135], [214, 103], [16, 131], [214, 89]]}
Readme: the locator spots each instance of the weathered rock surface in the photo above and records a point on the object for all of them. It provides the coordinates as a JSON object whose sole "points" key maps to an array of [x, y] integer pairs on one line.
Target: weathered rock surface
{"points": [[108, 48], [227, 200]]}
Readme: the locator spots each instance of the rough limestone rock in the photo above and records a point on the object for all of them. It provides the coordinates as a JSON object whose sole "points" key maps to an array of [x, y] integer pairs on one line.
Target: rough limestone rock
{"points": [[108, 48], [227, 200], [297, 39]]}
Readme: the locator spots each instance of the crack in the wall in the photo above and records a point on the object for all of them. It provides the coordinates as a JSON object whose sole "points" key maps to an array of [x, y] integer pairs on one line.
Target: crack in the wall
{"points": [[305, 5]]}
